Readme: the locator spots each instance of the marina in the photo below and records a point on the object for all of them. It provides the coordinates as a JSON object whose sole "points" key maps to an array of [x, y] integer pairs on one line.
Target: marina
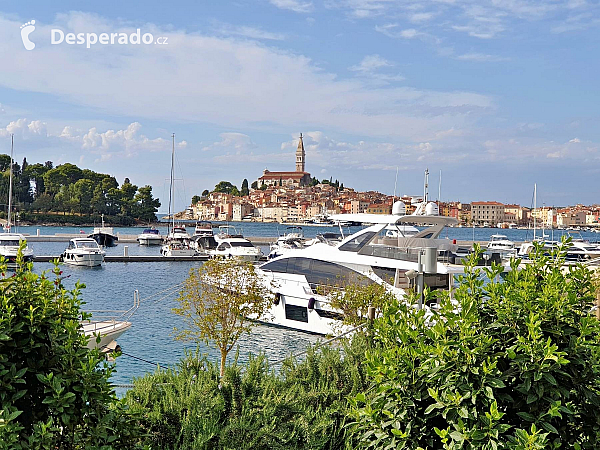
{"points": [[110, 287]]}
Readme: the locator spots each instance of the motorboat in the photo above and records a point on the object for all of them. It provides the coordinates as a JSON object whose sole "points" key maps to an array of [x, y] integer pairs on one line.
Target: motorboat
{"points": [[104, 236], [178, 248], [150, 236], [178, 232], [83, 252], [236, 248], [9, 248], [204, 238], [104, 327], [301, 279], [500, 242], [293, 238], [232, 244]]}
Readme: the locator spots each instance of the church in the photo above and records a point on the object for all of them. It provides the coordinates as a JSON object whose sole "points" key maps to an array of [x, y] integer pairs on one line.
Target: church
{"points": [[297, 178]]}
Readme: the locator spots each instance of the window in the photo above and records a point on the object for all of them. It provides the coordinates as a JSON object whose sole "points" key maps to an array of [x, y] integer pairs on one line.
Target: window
{"points": [[358, 242], [297, 313], [242, 244]]}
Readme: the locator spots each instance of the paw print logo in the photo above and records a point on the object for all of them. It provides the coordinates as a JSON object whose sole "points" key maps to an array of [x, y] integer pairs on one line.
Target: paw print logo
{"points": [[26, 30]]}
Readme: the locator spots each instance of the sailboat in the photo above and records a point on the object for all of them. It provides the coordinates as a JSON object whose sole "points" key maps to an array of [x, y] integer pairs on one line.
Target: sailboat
{"points": [[178, 239], [11, 242]]}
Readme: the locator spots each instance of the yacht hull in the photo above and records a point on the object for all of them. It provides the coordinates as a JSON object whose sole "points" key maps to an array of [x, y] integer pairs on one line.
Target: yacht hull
{"points": [[104, 239]]}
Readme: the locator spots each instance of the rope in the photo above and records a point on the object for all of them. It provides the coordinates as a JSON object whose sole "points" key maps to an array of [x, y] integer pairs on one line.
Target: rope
{"points": [[319, 345], [142, 359]]}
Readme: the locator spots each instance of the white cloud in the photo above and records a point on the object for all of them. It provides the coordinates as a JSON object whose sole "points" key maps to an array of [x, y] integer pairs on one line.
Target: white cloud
{"points": [[107, 144], [575, 141], [224, 81], [293, 5], [392, 30], [421, 17], [247, 32], [481, 57], [371, 63]]}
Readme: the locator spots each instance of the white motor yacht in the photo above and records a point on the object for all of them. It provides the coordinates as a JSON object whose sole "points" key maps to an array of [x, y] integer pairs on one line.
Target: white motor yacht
{"points": [[9, 248], [203, 238], [177, 248], [150, 236], [108, 327], [293, 238], [300, 279], [83, 252], [500, 242], [232, 244]]}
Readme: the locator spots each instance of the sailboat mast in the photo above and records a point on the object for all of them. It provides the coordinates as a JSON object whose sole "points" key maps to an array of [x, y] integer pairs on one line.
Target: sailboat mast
{"points": [[12, 143], [534, 208], [171, 190]]}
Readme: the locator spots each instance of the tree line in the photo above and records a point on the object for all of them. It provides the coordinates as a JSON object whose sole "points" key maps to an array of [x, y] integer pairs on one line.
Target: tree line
{"points": [[43, 188]]}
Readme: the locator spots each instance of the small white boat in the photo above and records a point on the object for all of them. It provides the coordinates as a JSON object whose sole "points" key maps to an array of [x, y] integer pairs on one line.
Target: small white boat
{"points": [[292, 239], [83, 252], [500, 242], [177, 248], [178, 232], [108, 327], [203, 238], [150, 236], [231, 244], [9, 248]]}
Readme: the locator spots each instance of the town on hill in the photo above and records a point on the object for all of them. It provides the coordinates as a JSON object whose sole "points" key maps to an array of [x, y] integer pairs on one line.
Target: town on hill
{"points": [[297, 197]]}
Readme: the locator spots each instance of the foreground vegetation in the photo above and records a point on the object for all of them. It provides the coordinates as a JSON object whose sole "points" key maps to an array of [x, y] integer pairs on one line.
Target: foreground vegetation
{"points": [[54, 392], [511, 364]]}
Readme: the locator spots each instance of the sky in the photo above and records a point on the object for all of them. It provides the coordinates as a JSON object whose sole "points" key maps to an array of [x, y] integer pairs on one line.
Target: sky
{"points": [[495, 95]]}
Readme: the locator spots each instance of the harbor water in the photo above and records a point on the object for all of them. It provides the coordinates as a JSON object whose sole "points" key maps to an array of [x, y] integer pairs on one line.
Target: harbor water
{"points": [[150, 339]]}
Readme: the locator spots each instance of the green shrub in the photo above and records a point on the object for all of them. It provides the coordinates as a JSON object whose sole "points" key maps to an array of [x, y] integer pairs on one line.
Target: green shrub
{"points": [[506, 365], [303, 406], [54, 392]]}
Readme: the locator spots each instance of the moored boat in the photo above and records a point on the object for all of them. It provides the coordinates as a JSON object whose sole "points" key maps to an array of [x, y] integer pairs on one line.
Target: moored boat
{"points": [[83, 252]]}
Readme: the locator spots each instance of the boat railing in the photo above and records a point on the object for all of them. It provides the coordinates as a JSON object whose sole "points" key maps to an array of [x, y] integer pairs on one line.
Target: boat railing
{"points": [[404, 253], [108, 318]]}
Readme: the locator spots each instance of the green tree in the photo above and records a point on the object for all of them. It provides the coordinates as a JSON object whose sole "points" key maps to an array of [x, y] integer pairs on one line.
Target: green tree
{"points": [[244, 191], [127, 197], [196, 199], [254, 185], [510, 364], [205, 193], [217, 301], [225, 187], [83, 191], [55, 391], [146, 205]]}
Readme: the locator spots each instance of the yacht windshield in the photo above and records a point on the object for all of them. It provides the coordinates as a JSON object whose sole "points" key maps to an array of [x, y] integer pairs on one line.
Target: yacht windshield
{"points": [[358, 242], [241, 244], [9, 243], [86, 244]]}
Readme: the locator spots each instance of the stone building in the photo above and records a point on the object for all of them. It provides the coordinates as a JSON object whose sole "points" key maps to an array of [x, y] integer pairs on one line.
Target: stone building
{"points": [[298, 178]]}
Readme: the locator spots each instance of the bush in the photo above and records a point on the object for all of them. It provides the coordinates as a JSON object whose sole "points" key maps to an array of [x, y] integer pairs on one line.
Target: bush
{"points": [[507, 365], [304, 406], [54, 392]]}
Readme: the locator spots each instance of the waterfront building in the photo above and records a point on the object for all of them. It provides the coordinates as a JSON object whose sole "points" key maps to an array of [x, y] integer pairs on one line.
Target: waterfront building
{"points": [[490, 213]]}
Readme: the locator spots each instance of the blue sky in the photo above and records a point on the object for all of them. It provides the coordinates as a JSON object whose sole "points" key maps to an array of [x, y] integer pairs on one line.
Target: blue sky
{"points": [[497, 95]]}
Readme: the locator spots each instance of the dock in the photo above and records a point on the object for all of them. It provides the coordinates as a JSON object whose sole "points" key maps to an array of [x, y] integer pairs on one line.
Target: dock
{"points": [[132, 258], [123, 238]]}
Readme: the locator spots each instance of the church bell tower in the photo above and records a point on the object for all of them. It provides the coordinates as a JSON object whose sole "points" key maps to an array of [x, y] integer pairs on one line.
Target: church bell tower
{"points": [[300, 156]]}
